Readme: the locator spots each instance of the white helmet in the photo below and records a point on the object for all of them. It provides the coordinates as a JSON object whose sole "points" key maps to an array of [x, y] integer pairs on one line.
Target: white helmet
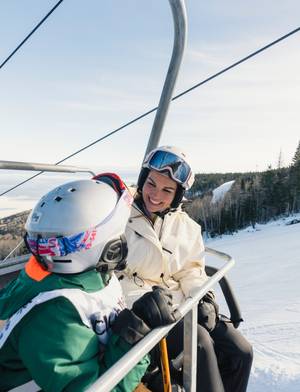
{"points": [[80, 225]]}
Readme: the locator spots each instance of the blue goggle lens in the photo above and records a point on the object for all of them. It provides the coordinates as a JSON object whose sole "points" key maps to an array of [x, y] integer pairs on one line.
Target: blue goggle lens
{"points": [[178, 168]]}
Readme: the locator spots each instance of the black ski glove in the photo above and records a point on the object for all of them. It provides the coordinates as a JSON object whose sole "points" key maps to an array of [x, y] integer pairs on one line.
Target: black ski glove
{"points": [[130, 327], [208, 312], [156, 308]]}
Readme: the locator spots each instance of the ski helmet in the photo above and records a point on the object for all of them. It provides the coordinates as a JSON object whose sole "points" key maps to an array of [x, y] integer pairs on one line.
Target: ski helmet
{"points": [[80, 225], [170, 160]]}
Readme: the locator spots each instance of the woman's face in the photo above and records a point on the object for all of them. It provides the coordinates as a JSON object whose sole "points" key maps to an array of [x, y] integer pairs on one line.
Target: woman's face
{"points": [[158, 191]]}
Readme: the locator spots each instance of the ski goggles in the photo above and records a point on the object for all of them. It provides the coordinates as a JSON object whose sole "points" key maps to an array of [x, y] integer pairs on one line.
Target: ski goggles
{"points": [[179, 170], [60, 246], [113, 256], [113, 180]]}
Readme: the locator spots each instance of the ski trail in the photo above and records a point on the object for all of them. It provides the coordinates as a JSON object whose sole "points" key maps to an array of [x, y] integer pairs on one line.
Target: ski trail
{"points": [[266, 282]]}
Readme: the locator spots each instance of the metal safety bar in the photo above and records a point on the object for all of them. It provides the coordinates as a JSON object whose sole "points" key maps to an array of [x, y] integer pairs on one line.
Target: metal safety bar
{"points": [[45, 167], [13, 264], [189, 311]]}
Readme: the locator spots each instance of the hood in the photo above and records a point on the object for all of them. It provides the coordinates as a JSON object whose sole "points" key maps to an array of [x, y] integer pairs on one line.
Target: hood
{"points": [[21, 290]]}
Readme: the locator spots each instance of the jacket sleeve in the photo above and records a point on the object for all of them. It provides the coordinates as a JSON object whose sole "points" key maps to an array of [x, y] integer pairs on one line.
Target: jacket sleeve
{"points": [[63, 354], [191, 274], [115, 351]]}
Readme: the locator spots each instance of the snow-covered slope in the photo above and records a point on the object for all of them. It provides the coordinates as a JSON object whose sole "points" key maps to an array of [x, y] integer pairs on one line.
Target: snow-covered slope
{"points": [[220, 192], [266, 279]]}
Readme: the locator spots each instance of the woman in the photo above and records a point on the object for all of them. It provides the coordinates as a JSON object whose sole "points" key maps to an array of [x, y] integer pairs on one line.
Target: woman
{"points": [[165, 248]]}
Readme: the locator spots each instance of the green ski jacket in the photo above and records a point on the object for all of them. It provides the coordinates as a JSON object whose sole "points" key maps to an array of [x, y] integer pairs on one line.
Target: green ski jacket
{"points": [[51, 344]]}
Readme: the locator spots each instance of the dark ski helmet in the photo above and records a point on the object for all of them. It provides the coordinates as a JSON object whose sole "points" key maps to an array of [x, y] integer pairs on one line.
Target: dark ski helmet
{"points": [[80, 225], [170, 160]]}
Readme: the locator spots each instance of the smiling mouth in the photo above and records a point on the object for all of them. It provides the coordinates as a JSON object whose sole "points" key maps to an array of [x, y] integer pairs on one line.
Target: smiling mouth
{"points": [[155, 203]]}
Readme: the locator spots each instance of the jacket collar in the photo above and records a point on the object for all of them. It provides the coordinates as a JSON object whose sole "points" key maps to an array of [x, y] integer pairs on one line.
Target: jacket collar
{"points": [[142, 225]]}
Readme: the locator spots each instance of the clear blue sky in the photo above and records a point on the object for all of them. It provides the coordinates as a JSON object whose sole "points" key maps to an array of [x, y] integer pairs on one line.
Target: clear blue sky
{"points": [[95, 65]]}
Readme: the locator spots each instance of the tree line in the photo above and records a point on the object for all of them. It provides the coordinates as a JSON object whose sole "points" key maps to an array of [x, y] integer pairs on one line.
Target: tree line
{"points": [[255, 197]]}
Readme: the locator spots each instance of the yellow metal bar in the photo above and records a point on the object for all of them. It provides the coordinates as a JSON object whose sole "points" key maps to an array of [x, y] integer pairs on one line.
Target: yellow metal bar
{"points": [[164, 358]]}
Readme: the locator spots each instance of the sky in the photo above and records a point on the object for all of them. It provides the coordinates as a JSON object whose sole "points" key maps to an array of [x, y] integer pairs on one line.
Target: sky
{"points": [[95, 65]]}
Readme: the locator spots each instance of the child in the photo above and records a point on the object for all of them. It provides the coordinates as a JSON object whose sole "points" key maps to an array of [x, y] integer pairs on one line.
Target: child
{"points": [[67, 321]]}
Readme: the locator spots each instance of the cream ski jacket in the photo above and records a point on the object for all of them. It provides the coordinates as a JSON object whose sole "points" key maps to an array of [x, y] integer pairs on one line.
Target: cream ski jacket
{"points": [[169, 253]]}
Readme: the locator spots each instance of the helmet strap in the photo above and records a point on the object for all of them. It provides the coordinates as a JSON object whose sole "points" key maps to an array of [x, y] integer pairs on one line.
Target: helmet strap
{"points": [[38, 257], [142, 178], [178, 196]]}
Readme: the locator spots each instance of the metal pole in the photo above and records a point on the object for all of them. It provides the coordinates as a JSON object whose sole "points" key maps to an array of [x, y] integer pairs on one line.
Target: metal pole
{"points": [[13, 165], [190, 347], [180, 28]]}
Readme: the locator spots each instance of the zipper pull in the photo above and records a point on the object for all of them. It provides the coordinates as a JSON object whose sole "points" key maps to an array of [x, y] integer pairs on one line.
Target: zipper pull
{"points": [[162, 279], [137, 279]]}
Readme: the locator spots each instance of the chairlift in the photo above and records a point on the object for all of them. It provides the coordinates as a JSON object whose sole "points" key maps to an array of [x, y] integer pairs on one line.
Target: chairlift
{"points": [[9, 268]]}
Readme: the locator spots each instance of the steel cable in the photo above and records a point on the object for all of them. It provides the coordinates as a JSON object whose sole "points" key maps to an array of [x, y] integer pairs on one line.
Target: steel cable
{"points": [[30, 34], [233, 65]]}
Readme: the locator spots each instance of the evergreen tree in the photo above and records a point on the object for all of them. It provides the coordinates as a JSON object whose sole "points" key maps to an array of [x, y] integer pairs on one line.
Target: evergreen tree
{"points": [[295, 180], [254, 198], [296, 158], [280, 160]]}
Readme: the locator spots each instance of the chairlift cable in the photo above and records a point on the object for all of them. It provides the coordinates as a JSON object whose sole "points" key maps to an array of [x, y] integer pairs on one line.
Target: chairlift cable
{"points": [[154, 109], [12, 251], [83, 148], [30, 34], [237, 63], [21, 183]]}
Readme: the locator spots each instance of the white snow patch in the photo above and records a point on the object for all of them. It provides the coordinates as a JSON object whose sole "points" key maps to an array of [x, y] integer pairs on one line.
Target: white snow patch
{"points": [[266, 280], [220, 192]]}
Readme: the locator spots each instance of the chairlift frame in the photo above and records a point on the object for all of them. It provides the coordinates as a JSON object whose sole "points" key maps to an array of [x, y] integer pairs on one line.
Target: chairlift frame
{"points": [[189, 308], [43, 167]]}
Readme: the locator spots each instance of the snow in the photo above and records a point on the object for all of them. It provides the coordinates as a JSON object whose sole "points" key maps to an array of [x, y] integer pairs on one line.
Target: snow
{"points": [[220, 191], [266, 280]]}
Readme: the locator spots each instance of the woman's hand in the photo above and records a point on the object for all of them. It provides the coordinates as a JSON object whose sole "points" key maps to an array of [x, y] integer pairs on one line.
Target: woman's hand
{"points": [[156, 308], [208, 312]]}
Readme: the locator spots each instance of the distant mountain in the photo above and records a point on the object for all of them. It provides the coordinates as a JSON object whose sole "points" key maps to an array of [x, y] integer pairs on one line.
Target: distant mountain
{"points": [[11, 233], [13, 224]]}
